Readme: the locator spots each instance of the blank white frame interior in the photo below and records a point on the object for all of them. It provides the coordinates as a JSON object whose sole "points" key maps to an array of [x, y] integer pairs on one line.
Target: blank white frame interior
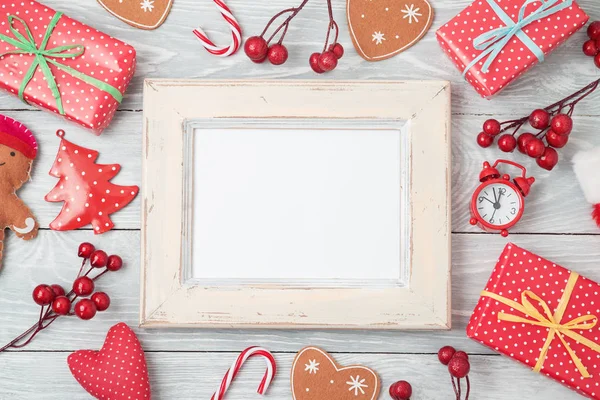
{"points": [[331, 190]]}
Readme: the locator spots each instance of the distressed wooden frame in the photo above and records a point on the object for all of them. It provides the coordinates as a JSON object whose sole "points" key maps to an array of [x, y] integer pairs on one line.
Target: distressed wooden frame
{"points": [[170, 106]]}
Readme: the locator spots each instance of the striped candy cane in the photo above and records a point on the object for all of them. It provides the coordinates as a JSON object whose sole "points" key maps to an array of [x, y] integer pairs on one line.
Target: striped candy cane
{"points": [[236, 33], [237, 365]]}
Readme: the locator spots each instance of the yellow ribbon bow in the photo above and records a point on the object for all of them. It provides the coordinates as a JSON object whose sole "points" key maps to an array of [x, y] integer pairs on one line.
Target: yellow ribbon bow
{"points": [[551, 321]]}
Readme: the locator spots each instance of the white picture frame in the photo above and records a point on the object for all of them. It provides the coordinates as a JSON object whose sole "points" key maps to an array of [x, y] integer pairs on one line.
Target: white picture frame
{"points": [[174, 292]]}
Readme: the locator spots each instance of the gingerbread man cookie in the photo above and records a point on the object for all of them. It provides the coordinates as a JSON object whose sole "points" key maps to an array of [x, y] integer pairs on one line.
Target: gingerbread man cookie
{"points": [[383, 28], [18, 149], [316, 376]]}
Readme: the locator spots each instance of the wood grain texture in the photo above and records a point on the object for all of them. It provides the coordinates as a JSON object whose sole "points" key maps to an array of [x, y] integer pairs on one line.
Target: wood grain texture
{"points": [[173, 51], [543, 213], [194, 376], [186, 364], [54, 260]]}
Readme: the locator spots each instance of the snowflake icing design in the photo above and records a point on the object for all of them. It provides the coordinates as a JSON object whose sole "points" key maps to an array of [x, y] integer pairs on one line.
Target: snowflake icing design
{"points": [[147, 5], [378, 37], [312, 367], [412, 13], [356, 384]]}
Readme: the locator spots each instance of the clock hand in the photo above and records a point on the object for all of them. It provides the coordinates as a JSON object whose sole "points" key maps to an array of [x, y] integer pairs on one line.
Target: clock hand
{"points": [[485, 198], [494, 213], [495, 198], [498, 201]]}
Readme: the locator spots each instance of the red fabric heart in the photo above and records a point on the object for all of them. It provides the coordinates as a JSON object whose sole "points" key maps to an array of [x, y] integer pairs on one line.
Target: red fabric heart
{"points": [[116, 372]]}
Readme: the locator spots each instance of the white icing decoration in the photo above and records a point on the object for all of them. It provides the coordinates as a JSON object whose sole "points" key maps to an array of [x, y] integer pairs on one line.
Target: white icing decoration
{"points": [[29, 225]]}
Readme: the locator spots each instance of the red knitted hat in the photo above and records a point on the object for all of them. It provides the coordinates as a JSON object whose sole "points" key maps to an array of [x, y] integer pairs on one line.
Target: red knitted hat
{"points": [[16, 136]]}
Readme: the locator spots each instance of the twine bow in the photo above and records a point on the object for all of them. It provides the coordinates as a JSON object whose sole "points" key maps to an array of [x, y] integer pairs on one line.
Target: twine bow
{"points": [[493, 42], [552, 321], [43, 57]]}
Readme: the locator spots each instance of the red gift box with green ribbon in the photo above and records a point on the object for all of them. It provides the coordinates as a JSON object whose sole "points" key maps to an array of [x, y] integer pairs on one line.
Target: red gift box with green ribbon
{"points": [[59, 64], [493, 42], [543, 316]]}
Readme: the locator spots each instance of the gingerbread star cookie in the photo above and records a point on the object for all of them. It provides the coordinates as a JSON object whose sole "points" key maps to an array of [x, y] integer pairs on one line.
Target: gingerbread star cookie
{"points": [[143, 14], [380, 29], [316, 376]]}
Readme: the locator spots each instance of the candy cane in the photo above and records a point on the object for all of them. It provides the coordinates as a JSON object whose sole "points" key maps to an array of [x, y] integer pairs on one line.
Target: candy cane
{"points": [[236, 33], [237, 365]]}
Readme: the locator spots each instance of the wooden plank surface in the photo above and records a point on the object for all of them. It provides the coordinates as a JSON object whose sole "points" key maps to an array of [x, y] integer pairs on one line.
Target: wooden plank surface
{"points": [[188, 375], [186, 364]]}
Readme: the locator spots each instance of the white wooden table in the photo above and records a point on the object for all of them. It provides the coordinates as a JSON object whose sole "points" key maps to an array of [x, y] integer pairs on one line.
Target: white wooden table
{"points": [[189, 364]]}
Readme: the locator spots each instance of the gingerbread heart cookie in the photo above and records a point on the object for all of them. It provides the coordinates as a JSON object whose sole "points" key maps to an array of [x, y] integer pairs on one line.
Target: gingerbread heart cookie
{"points": [[316, 376], [143, 14], [383, 28]]}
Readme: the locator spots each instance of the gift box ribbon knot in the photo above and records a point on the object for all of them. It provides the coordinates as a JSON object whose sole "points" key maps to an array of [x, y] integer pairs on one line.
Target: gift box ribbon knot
{"points": [[43, 57], [551, 321], [491, 43]]}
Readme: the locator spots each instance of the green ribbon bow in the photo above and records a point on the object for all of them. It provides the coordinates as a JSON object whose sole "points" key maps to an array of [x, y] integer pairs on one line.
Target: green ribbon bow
{"points": [[43, 57]]}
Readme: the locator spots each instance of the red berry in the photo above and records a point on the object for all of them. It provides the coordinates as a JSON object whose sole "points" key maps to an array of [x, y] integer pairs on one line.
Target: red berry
{"points": [[535, 148], [61, 305], [114, 263], [539, 119], [589, 48], [523, 140], [461, 354], [400, 390], [83, 286], [43, 295], [277, 54], [101, 300], [314, 63], [507, 143], [562, 124], [594, 30], [98, 259], [484, 140], [85, 250], [445, 354], [58, 290], [549, 159], [459, 367], [491, 127], [597, 60], [328, 61], [85, 309], [338, 50], [260, 60], [555, 140], [256, 48]]}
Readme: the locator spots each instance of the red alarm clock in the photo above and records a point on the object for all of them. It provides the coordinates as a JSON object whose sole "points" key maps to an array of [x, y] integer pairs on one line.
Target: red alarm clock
{"points": [[498, 204]]}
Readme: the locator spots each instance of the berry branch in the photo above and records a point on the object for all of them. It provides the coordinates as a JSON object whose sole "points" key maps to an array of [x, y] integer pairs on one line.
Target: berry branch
{"points": [[259, 49], [54, 302], [554, 124]]}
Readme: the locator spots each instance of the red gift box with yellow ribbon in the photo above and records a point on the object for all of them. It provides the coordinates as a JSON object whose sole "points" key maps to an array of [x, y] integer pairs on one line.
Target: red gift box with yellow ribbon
{"points": [[62, 65], [544, 316], [493, 42]]}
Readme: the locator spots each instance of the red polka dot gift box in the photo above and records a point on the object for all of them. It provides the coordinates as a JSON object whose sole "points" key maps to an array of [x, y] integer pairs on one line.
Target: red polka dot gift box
{"points": [[62, 65], [544, 316], [493, 42]]}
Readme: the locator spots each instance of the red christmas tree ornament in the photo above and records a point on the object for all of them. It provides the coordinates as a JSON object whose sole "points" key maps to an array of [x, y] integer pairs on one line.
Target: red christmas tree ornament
{"points": [[118, 371], [85, 189]]}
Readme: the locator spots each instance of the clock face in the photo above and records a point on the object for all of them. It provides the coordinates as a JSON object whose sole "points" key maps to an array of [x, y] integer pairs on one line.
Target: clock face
{"points": [[498, 204]]}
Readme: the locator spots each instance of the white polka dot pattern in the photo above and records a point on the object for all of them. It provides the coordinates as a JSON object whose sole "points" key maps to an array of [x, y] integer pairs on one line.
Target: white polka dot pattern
{"points": [[519, 270], [105, 58], [116, 372], [456, 39]]}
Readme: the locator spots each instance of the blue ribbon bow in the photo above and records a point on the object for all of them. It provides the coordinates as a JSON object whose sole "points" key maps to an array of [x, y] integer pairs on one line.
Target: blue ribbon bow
{"points": [[491, 43]]}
